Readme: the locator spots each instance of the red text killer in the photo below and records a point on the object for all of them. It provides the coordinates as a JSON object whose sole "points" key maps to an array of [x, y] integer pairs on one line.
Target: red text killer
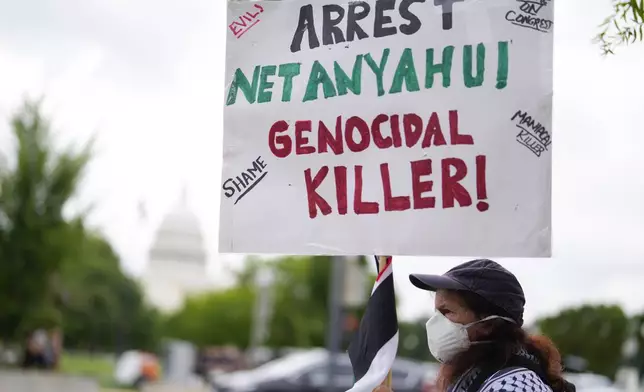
{"points": [[450, 173]]}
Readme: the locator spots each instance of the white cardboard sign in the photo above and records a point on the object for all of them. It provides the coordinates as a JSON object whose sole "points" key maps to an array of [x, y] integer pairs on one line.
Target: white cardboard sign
{"points": [[404, 127]]}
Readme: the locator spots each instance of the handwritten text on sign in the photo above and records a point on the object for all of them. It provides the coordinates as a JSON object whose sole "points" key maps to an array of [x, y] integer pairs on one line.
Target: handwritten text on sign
{"points": [[357, 96]]}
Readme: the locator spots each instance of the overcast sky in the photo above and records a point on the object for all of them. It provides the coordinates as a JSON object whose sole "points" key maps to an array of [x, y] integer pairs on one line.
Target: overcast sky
{"points": [[146, 76]]}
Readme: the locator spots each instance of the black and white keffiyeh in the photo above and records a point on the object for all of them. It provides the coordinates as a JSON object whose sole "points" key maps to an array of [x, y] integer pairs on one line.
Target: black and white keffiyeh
{"points": [[513, 379], [518, 375]]}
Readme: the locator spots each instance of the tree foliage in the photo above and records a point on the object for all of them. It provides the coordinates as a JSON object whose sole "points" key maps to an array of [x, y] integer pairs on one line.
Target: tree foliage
{"points": [[301, 298], [35, 237], [102, 308], [638, 332], [623, 27], [54, 272], [595, 333], [214, 319], [413, 341], [299, 295], [300, 307]]}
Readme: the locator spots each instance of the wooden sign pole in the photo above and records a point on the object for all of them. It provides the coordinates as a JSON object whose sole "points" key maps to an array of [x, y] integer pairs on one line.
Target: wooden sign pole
{"points": [[382, 264]]}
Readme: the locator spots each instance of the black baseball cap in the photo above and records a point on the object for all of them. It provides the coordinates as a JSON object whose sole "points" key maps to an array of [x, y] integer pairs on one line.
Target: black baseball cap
{"points": [[484, 277]]}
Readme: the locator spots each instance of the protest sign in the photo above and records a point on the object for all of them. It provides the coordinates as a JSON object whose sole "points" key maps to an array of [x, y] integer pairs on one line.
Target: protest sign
{"points": [[408, 127]]}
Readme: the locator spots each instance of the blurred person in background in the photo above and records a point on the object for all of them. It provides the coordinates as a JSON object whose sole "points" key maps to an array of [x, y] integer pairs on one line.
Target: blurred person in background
{"points": [[150, 370], [135, 369], [476, 333], [35, 350], [43, 349], [52, 349]]}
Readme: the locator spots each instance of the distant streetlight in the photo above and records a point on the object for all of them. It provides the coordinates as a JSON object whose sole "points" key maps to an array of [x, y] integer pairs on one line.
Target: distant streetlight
{"points": [[263, 308], [355, 280], [334, 326], [630, 348], [631, 345], [264, 277], [4, 220]]}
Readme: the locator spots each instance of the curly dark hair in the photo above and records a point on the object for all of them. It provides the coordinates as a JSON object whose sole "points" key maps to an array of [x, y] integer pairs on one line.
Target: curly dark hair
{"points": [[507, 338]]}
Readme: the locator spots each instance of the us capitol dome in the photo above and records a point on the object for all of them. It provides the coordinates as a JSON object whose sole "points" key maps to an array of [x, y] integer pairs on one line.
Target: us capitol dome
{"points": [[177, 261]]}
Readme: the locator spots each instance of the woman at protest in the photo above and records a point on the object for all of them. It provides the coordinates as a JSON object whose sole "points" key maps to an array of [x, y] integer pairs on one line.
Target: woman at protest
{"points": [[476, 334]]}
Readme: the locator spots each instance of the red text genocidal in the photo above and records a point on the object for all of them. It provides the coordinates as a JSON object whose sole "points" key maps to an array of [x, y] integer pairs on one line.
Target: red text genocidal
{"points": [[354, 135]]}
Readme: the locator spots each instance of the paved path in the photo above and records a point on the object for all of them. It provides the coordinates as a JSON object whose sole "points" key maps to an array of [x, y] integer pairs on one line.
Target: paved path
{"points": [[175, 388], [16, 380]]}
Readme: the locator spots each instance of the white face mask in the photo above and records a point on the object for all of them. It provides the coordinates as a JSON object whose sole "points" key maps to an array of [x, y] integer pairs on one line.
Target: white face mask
{"points": [[446, 339]]}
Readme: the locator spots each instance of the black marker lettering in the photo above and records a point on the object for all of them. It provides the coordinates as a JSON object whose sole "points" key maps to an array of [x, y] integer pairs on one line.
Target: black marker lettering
{"points": [[260, 162], [353, 28], [305, 23], [331, 33], [379, 29], [414, 23], [229, 190]]}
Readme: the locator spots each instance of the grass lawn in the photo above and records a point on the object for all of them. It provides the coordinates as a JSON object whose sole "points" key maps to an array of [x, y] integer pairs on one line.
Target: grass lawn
{"points": [[97, 367], [116, 390]]}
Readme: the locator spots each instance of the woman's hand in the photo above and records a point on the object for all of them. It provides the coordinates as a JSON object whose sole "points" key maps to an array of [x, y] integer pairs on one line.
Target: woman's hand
{"points": [[383, 388]]}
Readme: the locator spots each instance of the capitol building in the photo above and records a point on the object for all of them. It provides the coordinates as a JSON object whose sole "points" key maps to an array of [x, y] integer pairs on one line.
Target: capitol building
{"points": [[177, 261]]}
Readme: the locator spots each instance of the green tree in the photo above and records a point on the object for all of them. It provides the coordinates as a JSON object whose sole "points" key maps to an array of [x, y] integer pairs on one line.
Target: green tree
{"points": [[413, 341], [301, 298], [638, 334], [102, 308], [35, 237], [595, 333], [299, 317], [219, 318], [624, 26], [53, 271]]}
